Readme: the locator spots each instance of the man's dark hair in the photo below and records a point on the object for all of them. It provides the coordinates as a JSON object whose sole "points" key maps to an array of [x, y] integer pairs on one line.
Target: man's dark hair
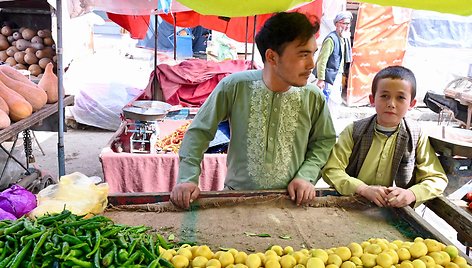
{"points": [[395, 72], [282, 28]]}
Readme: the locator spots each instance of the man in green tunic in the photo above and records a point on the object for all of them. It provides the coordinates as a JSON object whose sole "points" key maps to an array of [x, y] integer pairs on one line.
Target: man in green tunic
{"points": [[281, 129]]}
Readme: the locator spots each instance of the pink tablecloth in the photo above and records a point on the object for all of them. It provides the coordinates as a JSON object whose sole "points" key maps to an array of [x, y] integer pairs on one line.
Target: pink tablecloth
{"points": [[125, 172]]}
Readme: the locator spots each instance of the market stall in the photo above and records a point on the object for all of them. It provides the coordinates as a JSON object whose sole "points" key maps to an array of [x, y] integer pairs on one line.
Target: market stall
{"points": [[153, 172]]}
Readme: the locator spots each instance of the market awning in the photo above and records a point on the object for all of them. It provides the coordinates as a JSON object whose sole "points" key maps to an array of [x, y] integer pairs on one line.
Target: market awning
{"points": [[228, 8]]}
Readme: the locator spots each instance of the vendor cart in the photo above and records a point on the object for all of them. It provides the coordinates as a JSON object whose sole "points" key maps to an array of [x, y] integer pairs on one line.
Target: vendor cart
{"points": [[253, 221]]}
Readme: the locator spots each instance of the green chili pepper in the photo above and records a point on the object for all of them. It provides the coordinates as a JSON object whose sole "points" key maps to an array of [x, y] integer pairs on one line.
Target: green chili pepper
{"points": [[40, 243], [71, 239], [154, 264], [78, 262], [97, 244], [96, 259], [47, 220], [120, 239], [65, 248], [123, 255], [19, 257], [7, 260], [165, 263], [107, 260], [132, 246], [132, 258], [97, 218], [24, 239], [29, 227], [147, 253], [162, 241], [14, 228]]}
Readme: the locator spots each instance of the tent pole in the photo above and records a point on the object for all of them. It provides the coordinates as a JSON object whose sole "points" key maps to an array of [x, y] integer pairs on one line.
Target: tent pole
{"points": [[175, 36], [156, 88], [60, 102], [247, 33], [253, 42]]}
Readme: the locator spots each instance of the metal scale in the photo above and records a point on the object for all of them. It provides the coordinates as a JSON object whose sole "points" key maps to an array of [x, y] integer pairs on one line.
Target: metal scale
{"points": [[145, 116]]}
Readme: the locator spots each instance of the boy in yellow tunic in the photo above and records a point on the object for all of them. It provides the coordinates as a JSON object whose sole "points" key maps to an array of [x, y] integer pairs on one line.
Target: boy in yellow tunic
{"points": [[386, 158]]}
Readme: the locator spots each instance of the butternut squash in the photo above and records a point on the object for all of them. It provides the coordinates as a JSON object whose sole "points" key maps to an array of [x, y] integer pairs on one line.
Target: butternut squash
{"points": [[4, 120], [18, 106], [49, 83], [4, 105], [33, 94], [14, 74]]}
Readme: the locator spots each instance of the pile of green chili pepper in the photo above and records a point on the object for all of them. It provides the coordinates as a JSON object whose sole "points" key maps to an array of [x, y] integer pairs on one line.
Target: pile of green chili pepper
{"points": [[67, 240]]}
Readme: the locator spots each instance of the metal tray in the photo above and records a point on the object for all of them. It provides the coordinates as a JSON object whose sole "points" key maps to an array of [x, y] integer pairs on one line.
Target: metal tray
{"points": [[147, 104], [451, 140], [144, 114]]}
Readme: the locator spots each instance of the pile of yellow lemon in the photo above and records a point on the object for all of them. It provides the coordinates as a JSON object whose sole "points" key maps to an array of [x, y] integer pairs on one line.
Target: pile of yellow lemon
{"points": [[374, 253]]}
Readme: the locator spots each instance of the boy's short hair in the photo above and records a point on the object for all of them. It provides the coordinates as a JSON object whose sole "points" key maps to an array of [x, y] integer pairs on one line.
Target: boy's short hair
{"points": [[395, 72], [282, 28]]}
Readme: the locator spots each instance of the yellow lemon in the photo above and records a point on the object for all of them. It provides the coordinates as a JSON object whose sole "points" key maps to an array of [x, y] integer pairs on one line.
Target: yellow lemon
{"points": [[288, 250], [288, 261], [167, 255], [300, 257], [459, 260], [392, 254], [180, 261], [368, 260], [204, 251], [446, 258], [213, 262], [272, 264], [185, 252], [253, 261], [406, 264], [240, 265], [334, 259], [356, 260], [364, 244], [403, 254], [199, 261], [320, 253], [418, 239], [278, 249], [398, 243], [348, 264], [373, 249], [384, 260], [270, 252], [305, 251], [315, 262], [418, 249], [229, 266], [233, 251], [240, 257], [332, 266], [428, 261], [451, 265], [343, 252], [226, 258], [356, 249], [452, 251], [432, 245], [418, 264], [262, 257], [299, 266]]}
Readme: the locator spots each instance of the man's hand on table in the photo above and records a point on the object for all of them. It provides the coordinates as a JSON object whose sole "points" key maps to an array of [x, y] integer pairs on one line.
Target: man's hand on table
{"points": [[374, 193], [399, 197], [301, 191], [184, 193]]}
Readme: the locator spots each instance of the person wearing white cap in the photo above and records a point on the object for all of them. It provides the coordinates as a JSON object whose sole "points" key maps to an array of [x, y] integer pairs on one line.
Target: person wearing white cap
{"points": [[330, 66]]}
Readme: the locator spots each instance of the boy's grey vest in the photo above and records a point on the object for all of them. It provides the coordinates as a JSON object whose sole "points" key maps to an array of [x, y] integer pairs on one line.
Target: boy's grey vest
{"points": [[404, 158]]}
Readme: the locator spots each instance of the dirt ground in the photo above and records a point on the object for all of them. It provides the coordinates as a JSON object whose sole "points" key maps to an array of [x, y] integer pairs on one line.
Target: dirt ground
{"points": [[328, 222]]}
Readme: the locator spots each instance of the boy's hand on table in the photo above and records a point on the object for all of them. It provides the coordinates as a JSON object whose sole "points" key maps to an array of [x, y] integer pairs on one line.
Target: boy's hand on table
{"points": [[184, 193], [301, 191], [376, 194], [399, 197]]}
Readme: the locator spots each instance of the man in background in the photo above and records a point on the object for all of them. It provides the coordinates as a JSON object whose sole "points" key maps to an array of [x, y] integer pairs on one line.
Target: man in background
{"points": [[330, 66]]}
